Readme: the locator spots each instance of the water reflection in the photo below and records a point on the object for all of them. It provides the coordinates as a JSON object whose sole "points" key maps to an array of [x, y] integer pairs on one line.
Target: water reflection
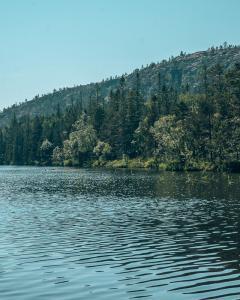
{"points": [[87, 234]]}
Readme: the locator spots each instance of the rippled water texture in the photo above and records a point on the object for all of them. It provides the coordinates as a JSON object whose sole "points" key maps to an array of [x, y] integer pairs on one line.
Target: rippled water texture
{"points": [[87, 234]]}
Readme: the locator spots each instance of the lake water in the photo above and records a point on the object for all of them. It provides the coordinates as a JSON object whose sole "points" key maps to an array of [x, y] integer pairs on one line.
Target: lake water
{"points": [[93, 234]]}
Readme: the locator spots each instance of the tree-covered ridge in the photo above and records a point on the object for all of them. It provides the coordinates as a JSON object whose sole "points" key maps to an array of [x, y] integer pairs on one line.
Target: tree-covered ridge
{"points": [[176, 128], [179, 71]]}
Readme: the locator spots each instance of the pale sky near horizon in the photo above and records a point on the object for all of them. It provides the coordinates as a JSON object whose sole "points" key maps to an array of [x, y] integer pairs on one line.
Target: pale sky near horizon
{"points": [[50, 44]]}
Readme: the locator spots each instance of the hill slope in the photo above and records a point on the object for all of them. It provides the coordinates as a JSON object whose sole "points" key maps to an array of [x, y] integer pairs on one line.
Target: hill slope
{"points": [[179, 71]]}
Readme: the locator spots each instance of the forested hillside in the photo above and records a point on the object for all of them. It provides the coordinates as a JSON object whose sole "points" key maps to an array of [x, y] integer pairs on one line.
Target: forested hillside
{"points": [[179, 114], [180, 71]]}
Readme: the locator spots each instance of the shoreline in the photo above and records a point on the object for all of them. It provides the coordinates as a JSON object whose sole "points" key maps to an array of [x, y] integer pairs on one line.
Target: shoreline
{"points": [[147, 164]]}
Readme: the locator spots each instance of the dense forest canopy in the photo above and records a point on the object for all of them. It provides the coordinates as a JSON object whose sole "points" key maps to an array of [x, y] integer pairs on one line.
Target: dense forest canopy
{"points": [[173, 125]]}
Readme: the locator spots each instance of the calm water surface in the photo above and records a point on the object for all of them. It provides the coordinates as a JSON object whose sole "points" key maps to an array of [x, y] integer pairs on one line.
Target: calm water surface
{"points": [[87, 234]]}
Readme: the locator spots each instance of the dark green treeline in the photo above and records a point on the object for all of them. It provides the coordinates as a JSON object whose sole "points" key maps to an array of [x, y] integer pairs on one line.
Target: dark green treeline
{"points": [[174, 126]]}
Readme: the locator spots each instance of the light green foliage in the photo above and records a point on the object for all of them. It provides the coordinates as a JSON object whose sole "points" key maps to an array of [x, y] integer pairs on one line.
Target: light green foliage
{"points": [[102, 150], [81, 141], [57, 156], [117, 163], [46, 151], [70, 149], [169, 136], [46, 146], [83, 135]]}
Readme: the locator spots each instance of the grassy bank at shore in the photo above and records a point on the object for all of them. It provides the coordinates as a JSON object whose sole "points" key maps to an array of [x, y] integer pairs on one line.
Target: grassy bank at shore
{"points": [[152, 163]]}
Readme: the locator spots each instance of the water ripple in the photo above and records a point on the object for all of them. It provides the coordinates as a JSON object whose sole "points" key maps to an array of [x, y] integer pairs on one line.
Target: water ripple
{"points": [[87, 234]]}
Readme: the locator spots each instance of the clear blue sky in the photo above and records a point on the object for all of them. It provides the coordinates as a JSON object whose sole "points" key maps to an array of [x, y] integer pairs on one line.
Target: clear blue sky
{"points": [[47, 44]]}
